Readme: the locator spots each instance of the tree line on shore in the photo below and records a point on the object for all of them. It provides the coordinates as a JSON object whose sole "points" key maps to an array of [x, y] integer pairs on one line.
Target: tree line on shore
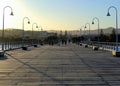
{"points": [[104, 37], [107, 37], [13, 35]]}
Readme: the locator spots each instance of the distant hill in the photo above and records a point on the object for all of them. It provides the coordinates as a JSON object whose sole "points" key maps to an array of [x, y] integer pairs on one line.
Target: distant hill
{"points": [[106, 30], [18, 33], [77, 32], [93, 32]]}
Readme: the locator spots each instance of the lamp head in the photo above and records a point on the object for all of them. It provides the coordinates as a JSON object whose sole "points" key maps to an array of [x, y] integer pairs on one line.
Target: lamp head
{"points": [[41, 29], [92, 22], [36, 26], [28, 22], [12, 14], [108, 14]]}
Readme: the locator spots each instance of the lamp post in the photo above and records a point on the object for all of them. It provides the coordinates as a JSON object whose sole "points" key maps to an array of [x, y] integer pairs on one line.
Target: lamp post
{"points": [[23, 31], [3, 24], [89, 29], [76, 36], [32, 31], [39, 34], [83, 34], [80, 32], [108, 14], [95, 18], [83, 28], [117, 52]]}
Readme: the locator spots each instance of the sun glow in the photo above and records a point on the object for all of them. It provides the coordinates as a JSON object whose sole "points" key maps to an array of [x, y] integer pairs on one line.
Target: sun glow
{"points": [[14, 21], [56, 14]]}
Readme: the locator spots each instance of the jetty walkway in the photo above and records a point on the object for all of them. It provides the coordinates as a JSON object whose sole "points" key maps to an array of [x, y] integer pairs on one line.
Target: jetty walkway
{"points": [[70, 65]]}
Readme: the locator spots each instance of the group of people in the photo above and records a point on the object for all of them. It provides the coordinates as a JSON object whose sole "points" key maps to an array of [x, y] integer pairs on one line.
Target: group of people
{"points": [[61, 42]]}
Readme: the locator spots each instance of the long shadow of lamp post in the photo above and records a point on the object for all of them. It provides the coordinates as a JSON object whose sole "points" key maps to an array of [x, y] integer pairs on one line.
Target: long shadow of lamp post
{"points": [[98, 45], [33, 34], [117, 52], [24, 47], [3, 51]]}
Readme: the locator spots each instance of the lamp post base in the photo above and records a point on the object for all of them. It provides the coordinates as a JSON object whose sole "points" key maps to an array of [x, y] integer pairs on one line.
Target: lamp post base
{"points": [[2, 53], [95, 48], [80, 44], [24, 48], [35, 45], [116, 53], [86, 46]]}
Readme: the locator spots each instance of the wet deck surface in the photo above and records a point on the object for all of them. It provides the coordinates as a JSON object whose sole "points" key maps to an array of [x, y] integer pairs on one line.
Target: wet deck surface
{"points": [[70, 65]]}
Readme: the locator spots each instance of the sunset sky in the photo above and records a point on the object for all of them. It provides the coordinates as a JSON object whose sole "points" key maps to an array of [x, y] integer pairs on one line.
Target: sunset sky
{"points": [[59, 14]]}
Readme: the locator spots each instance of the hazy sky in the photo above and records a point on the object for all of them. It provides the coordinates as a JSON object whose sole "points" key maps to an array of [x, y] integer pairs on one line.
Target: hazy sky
{"points": [[59, 14]]}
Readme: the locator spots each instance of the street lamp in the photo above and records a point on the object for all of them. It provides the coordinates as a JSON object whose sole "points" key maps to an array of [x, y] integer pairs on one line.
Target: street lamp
{"points": [[32, 31], [23, 47], [39, 34], [81, 33], [98, 31], [3, 24], [89, 29], [83, 28], [108, 14]]}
